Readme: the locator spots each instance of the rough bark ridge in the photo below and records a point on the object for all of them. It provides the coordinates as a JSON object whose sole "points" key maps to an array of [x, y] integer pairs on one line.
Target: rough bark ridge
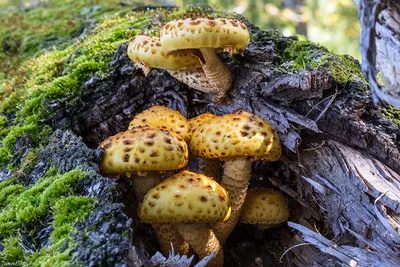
{"points": [[341, 162], [380, 47]]}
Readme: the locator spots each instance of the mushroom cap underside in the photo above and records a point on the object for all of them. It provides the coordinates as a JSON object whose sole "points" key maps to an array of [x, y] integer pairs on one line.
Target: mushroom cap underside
{"points": [[229, 34], [240, 134], [185, 197], [264, 206], [148, 51], [143, 149], [165, 118]]}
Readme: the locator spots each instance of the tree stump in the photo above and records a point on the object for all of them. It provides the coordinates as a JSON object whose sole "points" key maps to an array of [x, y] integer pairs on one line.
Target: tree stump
{"points": [[340, 169]]}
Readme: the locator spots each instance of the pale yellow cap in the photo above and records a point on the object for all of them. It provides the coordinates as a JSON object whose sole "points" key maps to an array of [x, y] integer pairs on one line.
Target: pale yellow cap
{"points": [[240, 134], [143, 149], [186, 197], [264, 206], [232, 35], [148, 51], [165, 118]]}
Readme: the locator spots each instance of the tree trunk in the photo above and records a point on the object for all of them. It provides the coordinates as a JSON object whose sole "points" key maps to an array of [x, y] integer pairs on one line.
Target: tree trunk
{"points": [[380, 47]]}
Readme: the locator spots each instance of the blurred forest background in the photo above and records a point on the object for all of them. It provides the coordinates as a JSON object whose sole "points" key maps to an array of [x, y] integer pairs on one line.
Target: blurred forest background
{"points": [[331, 23]]}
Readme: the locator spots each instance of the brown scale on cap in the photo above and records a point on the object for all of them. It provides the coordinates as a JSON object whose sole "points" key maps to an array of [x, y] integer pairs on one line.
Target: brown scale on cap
{"points": [[237, 139], [164, 118], [148, 53], [264, 207], [143, 149], [188, 198]]}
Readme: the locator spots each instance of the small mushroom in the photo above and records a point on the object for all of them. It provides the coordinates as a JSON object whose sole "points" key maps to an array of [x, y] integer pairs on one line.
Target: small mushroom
{"points": [[148, 53], [237, 139], [208, 167], [207, 35], [164, 118], [264, 207], [142, 153], [190, 201]]}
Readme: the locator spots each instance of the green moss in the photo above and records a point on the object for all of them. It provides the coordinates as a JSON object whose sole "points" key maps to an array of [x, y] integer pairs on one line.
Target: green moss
{"points": [[307, 55], [66, 212], [12, 253], [392, 113], [36, 201], [24, 208]]}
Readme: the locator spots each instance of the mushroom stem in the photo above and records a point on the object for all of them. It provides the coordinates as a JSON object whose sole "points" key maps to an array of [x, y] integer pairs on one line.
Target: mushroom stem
{"points": [[209, 167], [167, 234], [144, 182], [216, 72], [203, 240], [235, 180]]}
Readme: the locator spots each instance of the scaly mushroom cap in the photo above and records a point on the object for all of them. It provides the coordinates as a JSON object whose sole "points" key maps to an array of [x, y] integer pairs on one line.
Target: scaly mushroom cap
{"points": [[236, 135], [232, 35], [199, 120], [264, 206], [185, 197], [165, 118], [143, 149], [148, 51]]}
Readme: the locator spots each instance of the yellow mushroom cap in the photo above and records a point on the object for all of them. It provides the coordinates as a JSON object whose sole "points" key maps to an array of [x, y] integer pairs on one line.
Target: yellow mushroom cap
{"points": [[186, 197], [199, 120], [205, 33], [264, 206], [165, 118], [236, 135], [149, 52], [143, 149]]}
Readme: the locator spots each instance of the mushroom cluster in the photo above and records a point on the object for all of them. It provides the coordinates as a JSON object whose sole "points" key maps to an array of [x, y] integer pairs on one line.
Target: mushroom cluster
{"points": [[187, 49], [192, 210]]}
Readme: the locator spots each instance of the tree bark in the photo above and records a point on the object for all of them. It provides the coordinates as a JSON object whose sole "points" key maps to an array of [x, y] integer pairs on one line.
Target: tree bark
{"points": [[380, 47]]}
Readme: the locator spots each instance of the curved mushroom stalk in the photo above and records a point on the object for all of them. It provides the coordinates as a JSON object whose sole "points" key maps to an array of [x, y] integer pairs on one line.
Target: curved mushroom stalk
{"points": [[236, 177], [203, 240], [217, 73]]}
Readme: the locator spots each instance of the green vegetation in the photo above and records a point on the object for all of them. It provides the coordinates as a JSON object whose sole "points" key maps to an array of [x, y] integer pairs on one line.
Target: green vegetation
{"points": [[392, 113], [308, 55], [59, 73]]}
